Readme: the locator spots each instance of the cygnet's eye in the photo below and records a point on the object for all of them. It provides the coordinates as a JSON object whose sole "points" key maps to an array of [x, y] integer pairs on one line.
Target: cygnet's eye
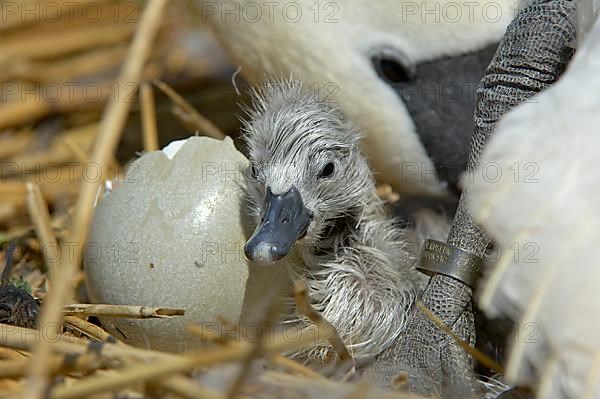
{"points": [[327, 170], [253, 171]]}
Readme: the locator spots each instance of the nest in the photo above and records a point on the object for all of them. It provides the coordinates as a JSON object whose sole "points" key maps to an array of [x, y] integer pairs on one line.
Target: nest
{"points": [[93, 85]]}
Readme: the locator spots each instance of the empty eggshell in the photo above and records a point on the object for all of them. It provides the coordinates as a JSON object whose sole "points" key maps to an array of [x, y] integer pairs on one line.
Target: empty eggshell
{"points": [[172, 235]]}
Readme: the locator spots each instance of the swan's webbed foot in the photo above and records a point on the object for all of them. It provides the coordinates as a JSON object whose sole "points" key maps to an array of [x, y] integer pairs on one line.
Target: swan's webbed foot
{"points": [[429, 358]]}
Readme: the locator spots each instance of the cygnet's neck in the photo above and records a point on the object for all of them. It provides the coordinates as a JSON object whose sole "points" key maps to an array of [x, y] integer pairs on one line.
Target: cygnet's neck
{"points": [[341, 232]]}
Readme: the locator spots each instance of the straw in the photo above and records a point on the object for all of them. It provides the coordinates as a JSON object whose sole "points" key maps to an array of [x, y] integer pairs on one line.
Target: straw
{"points": [[148, 118], [38, 211], [190, 116], [108, 136], [132, 312]]}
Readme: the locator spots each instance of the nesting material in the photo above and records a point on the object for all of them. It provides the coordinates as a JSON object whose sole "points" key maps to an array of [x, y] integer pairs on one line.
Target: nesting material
{"points": [[172, 235]]}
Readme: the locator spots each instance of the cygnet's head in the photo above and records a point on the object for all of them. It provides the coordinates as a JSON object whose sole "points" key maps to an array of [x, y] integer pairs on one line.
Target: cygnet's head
{"points": [[306, 169]]}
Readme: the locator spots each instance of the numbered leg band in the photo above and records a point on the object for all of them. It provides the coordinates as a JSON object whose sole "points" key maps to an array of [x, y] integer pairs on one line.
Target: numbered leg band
{"points": [[441, 258]]}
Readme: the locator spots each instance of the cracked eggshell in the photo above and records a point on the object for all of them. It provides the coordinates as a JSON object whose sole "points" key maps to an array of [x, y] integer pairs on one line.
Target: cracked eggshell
{"points": [[172, 235]]}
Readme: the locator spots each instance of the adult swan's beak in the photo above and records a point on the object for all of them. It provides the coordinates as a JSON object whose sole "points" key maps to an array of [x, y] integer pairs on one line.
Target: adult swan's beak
{"points": [[286, 220]]}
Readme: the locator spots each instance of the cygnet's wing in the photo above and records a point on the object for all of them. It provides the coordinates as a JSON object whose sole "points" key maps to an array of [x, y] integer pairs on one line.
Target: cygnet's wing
{"points": [[536, 192]]}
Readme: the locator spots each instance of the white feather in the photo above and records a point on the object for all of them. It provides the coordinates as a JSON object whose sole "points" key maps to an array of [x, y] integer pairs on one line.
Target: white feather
{"points": [[328, 46], [543, 214]]}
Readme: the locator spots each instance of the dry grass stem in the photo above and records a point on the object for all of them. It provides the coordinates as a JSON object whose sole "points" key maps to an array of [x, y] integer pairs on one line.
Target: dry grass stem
{"points": [[177, 384], [189, 114], [59, 364], [185, 388], [26, 339], [277, 359], [76, 149], [72, 68], [17, 143], [40, 47], [167, 367], [304, 307], [269, 318], [295, 367], [38, 211], [474, 352], [89, 329], [109, 133], [132, 312], [15, 113], [148, 109], [331, 388]]}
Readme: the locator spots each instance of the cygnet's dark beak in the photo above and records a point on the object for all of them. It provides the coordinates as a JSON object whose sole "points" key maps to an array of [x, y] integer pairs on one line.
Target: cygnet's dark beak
{"points": [[286, 220]]}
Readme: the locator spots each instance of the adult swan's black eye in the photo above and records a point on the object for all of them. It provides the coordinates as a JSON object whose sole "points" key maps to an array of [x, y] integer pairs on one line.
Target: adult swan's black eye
{"points": [[391, 69], [327, 170]]}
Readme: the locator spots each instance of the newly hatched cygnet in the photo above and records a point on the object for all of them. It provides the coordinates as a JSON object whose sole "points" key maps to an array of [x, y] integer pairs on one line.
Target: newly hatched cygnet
{"points": [[311, 187]]}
